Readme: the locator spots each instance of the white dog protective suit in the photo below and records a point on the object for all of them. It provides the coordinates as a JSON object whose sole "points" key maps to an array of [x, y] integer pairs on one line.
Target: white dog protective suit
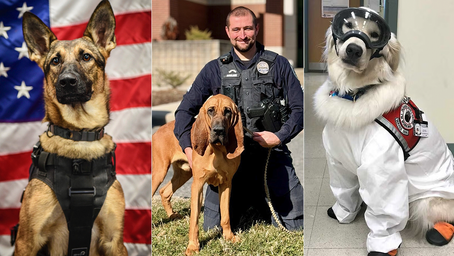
{"points": [[366, 163]]}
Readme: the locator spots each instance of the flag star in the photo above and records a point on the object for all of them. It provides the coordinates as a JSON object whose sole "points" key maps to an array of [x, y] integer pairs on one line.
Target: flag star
{"points": [[3, 30], [3, 70], [23, 9], [23, 50], [23, 90]]}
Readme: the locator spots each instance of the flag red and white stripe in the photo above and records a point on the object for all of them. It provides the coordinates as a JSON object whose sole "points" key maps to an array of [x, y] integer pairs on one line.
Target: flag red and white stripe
{"points": [[129, 72]]}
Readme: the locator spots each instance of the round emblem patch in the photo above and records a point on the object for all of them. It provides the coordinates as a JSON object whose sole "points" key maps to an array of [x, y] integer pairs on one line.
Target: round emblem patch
{"points": [[407, 117], [262, 67]]}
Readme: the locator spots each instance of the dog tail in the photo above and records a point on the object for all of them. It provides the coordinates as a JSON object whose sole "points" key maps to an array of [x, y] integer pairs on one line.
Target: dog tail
{"points": [[424, 213]]}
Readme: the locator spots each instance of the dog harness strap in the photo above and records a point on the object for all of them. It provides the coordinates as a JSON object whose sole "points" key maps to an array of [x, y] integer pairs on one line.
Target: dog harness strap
{"points": [[80, 186], [76, 135], [82, 193], [383, 122], [400, 123], [377, 54]]}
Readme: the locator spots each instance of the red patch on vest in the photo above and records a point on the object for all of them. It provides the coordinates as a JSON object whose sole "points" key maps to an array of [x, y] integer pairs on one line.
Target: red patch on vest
{"points": [[402, 118]]}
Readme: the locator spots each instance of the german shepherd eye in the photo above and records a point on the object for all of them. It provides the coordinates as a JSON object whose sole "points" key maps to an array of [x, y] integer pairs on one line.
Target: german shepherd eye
{"points": [[55, 61], [86, 57]]}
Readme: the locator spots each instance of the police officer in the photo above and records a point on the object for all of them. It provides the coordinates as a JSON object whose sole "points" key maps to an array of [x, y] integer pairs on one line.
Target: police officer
{"points": [[269, 95]]}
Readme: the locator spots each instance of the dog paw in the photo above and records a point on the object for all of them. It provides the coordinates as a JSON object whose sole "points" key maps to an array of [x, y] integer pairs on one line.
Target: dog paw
{"points": [[175, 216], [232, 238], [192, 248]]}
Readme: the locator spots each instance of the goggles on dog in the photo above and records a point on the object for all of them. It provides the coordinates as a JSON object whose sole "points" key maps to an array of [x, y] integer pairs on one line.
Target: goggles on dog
{"points": [[364, 24]]}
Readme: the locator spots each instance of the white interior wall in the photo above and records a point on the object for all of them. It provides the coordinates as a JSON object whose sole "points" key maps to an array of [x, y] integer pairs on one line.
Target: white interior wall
{"points": [[426, 31]]}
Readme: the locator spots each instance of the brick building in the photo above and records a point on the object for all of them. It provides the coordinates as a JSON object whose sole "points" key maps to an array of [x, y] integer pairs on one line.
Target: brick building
{"points": [[280, 21]]}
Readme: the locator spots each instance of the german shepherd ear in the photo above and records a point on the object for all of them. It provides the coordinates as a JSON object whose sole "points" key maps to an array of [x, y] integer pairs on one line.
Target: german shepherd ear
{"points": [[37, 36], [236, 137], [101, 27], [200, 133]]}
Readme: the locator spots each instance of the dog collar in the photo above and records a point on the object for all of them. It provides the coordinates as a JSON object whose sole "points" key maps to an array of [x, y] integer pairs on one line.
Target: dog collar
{"points": [[76, 135], [350, 95]]}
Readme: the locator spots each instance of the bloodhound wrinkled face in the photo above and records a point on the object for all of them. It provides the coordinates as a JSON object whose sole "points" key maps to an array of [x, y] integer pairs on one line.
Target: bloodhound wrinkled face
{"points": [[220, 116], [218, 124]]}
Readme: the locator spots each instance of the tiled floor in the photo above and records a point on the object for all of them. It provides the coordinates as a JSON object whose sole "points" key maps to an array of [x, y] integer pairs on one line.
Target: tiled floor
{"points": [[323, 236]]}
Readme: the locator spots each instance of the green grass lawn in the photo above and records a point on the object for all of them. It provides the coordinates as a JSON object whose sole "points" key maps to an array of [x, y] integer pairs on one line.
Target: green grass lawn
{"points": [[171, 237]]}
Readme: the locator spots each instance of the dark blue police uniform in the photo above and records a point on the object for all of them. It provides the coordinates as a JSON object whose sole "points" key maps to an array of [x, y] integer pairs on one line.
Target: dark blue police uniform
{"points": [[285, 188]]}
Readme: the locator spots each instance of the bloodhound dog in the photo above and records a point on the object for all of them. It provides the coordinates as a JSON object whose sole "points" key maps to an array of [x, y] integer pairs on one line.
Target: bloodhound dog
{"points": [[217, 141]]}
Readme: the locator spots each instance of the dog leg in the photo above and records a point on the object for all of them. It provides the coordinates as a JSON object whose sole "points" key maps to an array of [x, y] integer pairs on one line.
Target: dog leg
{"points": [[196, 204], [110, 222], [159, 172], [58, 243], [39, 208], [224, 199], [25, 247], [180, 177], [27, 242]]}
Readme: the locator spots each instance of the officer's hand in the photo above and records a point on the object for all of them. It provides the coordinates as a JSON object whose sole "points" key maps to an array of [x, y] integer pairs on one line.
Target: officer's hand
{"points": [[266, 139], [188, 152]]}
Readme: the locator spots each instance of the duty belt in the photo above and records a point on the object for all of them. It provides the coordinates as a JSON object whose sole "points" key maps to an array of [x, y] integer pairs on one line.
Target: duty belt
{"points": [[80, 186]]}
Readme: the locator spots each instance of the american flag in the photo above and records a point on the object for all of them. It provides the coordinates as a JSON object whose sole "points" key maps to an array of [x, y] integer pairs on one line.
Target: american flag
{"points": [[22, 109]]}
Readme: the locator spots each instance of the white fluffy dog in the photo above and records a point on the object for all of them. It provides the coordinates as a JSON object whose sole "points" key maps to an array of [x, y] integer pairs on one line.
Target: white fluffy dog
{"points": [[367, 163]]}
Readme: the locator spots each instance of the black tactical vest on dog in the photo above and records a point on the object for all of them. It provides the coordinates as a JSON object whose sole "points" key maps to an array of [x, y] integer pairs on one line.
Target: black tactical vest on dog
{"points": [[80, 186], [252, 88]]}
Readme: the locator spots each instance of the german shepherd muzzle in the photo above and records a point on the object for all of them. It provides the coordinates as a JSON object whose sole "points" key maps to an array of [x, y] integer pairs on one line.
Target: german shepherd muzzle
{"points": [[73, 204]]}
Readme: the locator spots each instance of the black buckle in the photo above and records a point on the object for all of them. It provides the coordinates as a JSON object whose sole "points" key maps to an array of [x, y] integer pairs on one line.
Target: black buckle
{"points": [[81, 167], [81, 191], [79, 251], [36, 150]]}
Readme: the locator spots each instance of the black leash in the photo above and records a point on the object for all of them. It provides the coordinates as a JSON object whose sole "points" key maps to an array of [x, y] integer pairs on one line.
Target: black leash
{"points": [[267, 191]]}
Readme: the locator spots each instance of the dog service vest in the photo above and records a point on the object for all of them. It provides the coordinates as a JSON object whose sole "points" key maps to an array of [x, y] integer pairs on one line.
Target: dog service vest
{"points": [[405, 124]]}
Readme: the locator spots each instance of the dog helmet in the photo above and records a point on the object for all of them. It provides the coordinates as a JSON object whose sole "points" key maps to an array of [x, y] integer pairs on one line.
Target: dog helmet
{"points": [[363, 23]]}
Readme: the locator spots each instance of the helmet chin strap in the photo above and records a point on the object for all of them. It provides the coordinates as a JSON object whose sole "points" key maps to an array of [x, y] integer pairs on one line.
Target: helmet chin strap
{"points": [[376, 54], [335, 44]]}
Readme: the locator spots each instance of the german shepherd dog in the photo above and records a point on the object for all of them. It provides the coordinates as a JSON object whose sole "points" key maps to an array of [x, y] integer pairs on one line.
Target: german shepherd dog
{"points": [[76, 96]]}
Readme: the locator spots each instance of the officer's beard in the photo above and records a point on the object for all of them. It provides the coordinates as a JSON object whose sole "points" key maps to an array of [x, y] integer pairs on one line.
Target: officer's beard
{"points": [[247, 48]]}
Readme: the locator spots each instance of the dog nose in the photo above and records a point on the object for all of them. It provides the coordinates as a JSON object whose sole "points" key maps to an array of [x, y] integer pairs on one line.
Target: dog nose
{"points": [[68, 79], [218, 130], [354, 52]]}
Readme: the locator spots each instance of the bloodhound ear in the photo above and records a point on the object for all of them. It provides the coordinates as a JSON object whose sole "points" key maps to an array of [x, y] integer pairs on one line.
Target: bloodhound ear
{"points": [[236, 146], [200, 133]]}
